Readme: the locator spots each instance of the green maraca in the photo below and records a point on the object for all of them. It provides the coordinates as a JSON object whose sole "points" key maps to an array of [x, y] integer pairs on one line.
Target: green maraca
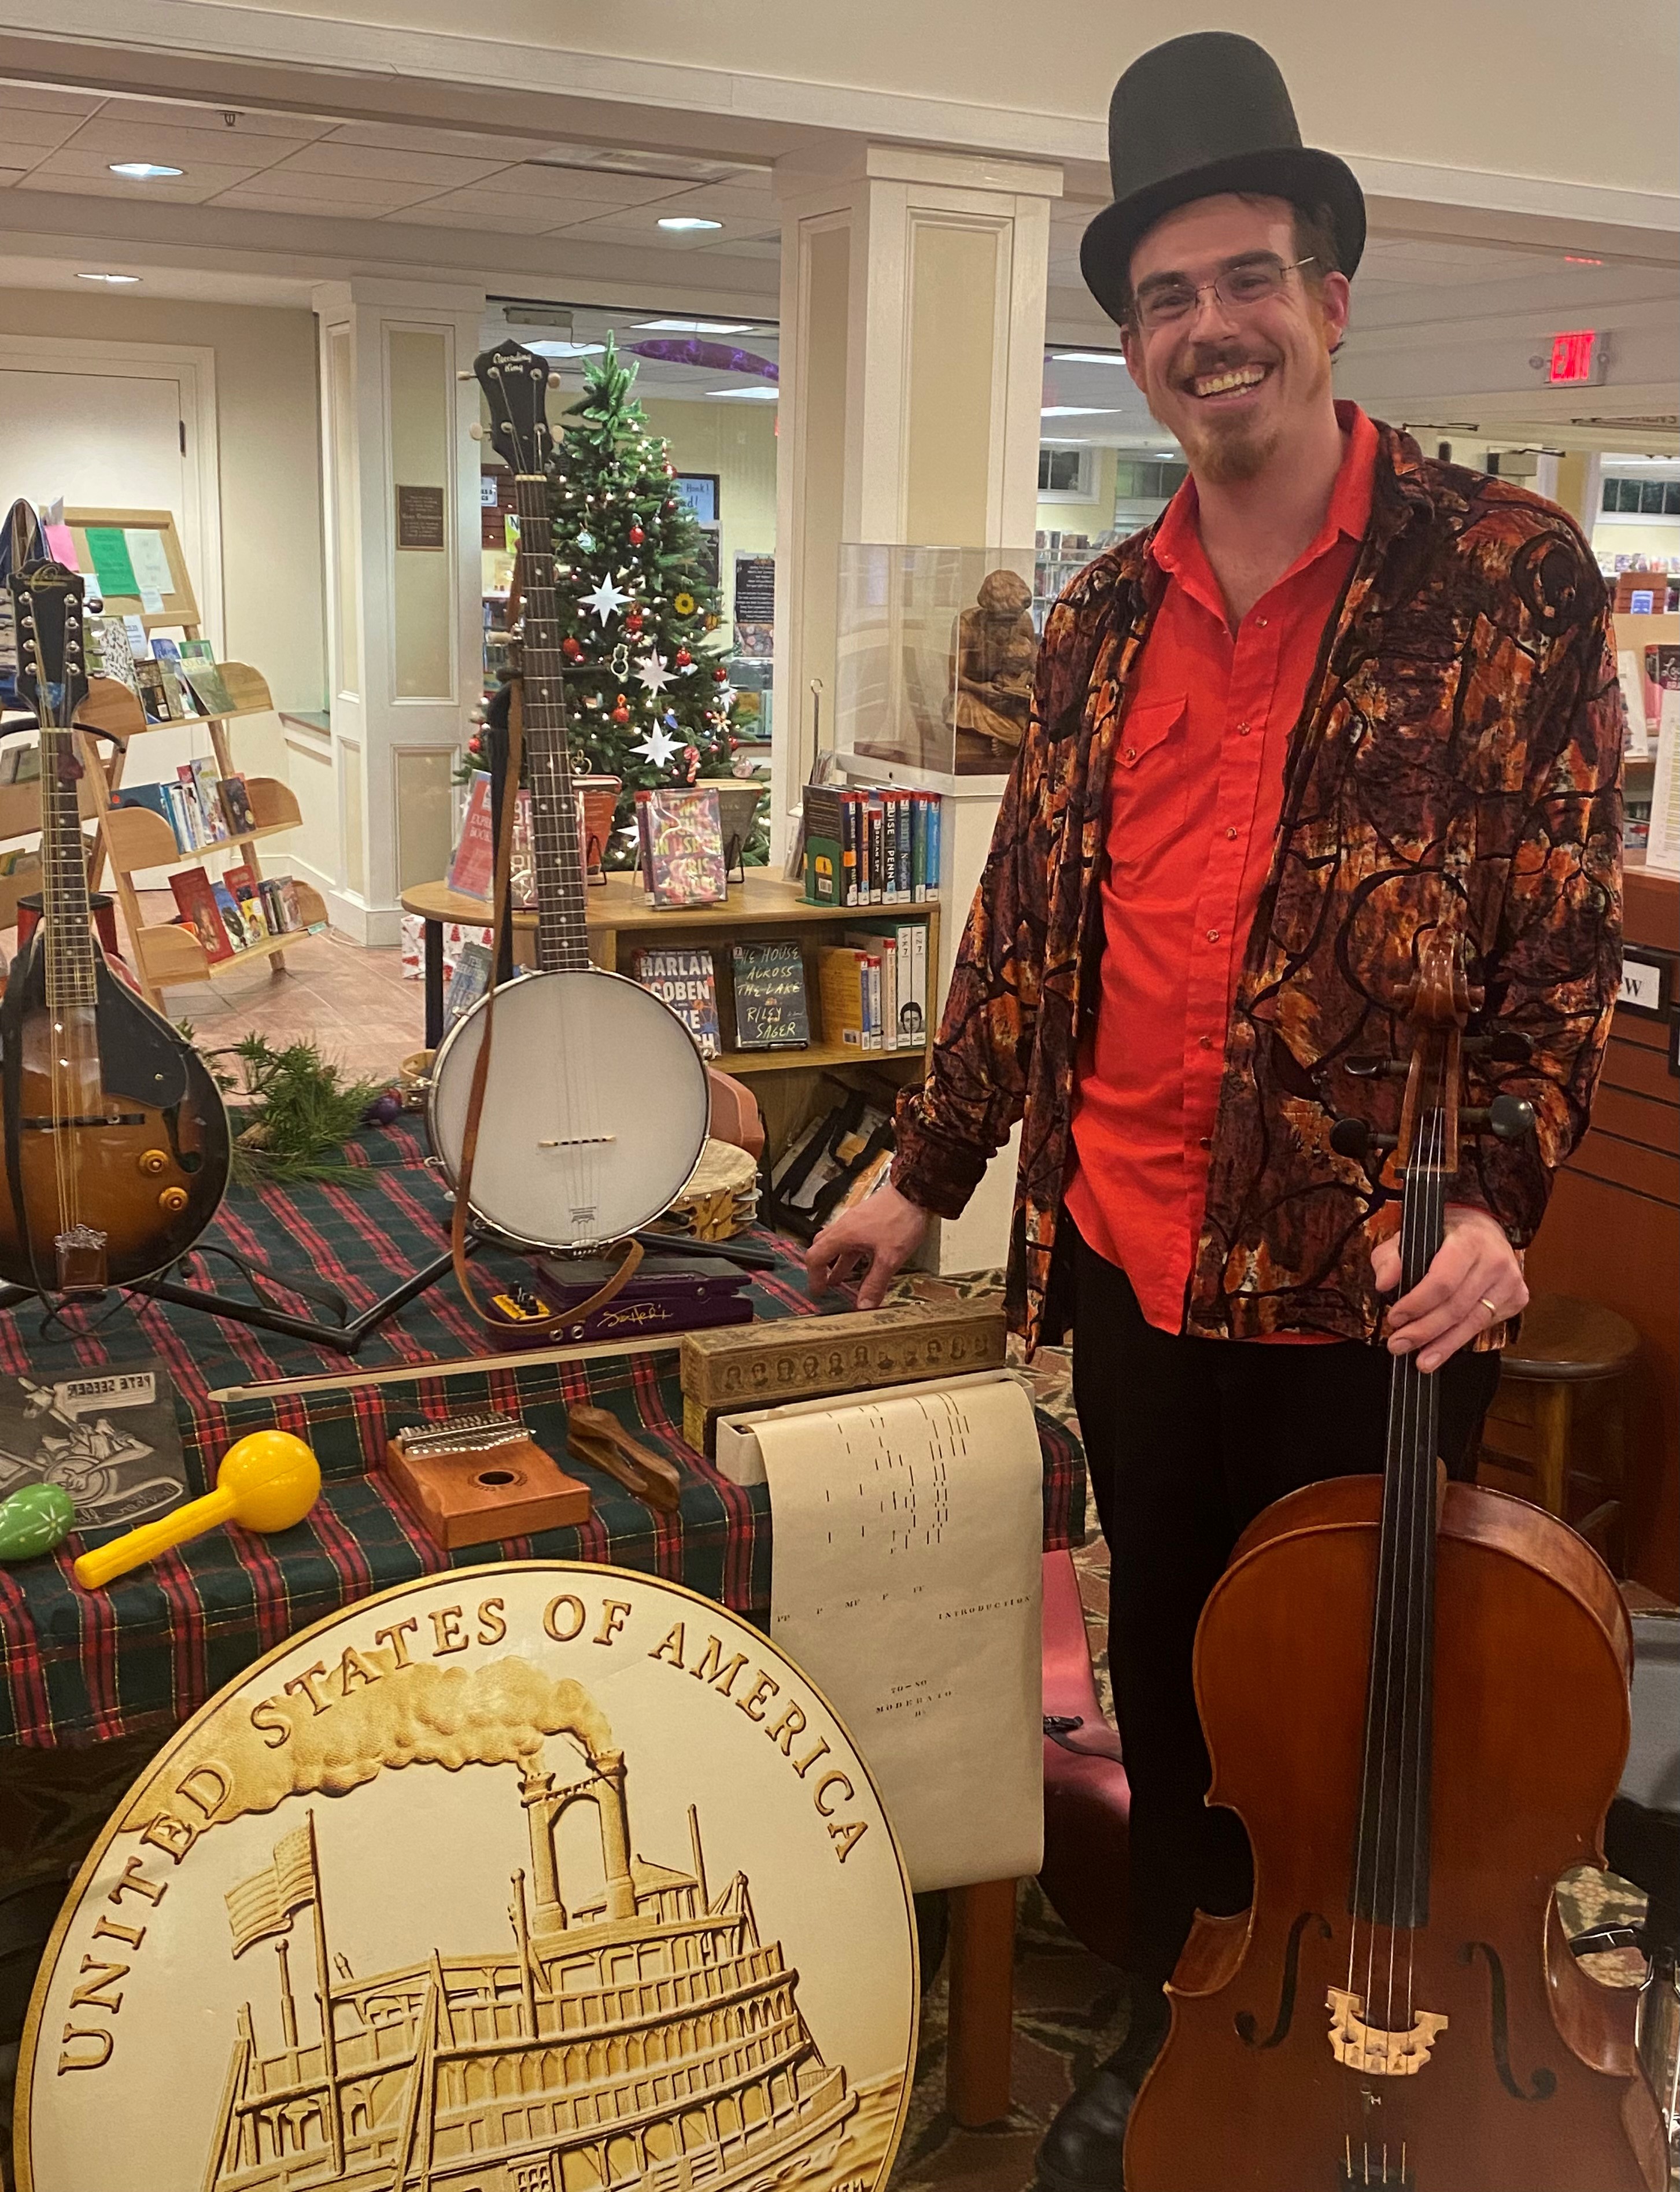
{"points": [[35, 1519]]}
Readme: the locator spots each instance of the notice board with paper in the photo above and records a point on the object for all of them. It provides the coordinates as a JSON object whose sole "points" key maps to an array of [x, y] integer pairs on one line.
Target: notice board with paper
{"points": [[136, 556]]}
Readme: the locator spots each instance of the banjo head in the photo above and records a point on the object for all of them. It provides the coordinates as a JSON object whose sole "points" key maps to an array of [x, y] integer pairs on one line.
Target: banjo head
{"points": [[595, 1112], [594, 1885]]}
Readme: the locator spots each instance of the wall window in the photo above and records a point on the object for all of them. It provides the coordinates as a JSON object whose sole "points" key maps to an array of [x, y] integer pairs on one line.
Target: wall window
{"points": [[1641, 498], [1065, 474]]}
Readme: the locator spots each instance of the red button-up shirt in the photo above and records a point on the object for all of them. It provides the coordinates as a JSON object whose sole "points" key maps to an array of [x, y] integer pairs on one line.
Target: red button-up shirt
{"points": [[1194, 799]]}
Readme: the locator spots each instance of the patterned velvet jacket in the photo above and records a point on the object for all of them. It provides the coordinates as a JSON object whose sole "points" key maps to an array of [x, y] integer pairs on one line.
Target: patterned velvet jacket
{"points": [[1457, 762]]}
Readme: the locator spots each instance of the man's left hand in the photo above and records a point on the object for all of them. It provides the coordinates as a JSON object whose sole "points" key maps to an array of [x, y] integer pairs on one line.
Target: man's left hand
{"points": [[1474, 1282]]}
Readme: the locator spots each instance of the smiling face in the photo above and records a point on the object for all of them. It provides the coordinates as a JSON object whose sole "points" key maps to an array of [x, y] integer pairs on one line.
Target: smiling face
{"points": [[1235, 378]]}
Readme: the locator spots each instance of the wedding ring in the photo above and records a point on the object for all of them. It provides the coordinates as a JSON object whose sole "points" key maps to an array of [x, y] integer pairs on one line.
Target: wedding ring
{"points": [[1491, 1310]]}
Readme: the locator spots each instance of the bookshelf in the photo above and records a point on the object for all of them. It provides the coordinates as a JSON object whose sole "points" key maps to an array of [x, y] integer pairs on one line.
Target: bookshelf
{"points": [[788, 1083], [133, 838]]}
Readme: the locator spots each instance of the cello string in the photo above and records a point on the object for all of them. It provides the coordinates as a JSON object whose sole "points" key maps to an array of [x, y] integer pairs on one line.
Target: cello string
{"points": [[1427, 1553], [1399, 1565], [1420, 1183], [1377, 1802]]}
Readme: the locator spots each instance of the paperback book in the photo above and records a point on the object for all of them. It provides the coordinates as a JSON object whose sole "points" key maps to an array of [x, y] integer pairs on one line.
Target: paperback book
{"points": [[195, 899]]}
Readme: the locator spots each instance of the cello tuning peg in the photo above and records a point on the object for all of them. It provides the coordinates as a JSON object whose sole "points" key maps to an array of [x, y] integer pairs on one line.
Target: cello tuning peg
{"points": [[1511, 1118], [1351, 1137], [1375, 1069], [1511, 1045]]}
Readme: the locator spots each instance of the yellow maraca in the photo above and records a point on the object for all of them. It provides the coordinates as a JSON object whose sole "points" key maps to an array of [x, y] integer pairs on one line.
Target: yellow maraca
{"points": [[267, 1481]]}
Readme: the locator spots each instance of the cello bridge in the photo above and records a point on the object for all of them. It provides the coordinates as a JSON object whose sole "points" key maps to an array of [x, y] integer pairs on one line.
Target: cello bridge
{"points": [[1370, 2049]]}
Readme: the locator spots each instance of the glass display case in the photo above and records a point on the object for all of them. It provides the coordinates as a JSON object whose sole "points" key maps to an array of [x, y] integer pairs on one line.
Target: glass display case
{"points": [[934, 658]]}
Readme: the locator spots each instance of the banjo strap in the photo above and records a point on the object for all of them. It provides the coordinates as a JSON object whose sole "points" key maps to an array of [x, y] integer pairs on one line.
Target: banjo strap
{"points": [[502, 918]]}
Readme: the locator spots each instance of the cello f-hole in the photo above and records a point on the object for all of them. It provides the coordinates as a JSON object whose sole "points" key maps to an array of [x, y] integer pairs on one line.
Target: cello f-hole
{"points": [[1244, 2020], [1545, 2082]]}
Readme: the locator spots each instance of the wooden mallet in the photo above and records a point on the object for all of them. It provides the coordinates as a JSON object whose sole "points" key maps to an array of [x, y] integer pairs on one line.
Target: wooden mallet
{"points": [[267, 1482]]}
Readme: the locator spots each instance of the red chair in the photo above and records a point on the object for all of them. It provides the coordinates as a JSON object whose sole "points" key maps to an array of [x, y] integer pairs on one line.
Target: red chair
{"points": [[1086, 1798]]}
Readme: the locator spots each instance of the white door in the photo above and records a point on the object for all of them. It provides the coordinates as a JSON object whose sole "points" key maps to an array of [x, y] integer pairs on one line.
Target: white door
{"points": [[118, 431]]}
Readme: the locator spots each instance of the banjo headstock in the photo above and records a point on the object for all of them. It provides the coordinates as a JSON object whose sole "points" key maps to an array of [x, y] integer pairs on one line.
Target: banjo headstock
{"points": [[514, 382]]}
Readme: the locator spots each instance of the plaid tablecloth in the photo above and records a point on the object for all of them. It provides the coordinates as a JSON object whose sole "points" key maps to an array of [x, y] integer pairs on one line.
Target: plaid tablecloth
{"points": [[83, 1666]]}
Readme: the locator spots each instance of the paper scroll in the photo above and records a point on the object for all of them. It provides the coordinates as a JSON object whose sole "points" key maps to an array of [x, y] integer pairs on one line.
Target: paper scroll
{"points": [[908, 1531]]}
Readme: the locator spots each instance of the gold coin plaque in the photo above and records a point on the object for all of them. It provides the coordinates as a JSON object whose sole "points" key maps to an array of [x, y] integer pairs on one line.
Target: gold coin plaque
{"points": [[534, 1877]]}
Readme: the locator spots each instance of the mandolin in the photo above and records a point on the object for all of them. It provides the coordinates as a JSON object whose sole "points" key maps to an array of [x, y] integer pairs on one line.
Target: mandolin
{"points": [[1415, 1697], [115, 1136], [596, 1106]]}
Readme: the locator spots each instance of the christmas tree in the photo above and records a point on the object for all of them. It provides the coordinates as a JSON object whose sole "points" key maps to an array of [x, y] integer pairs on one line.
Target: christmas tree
{"points": [[634, 600]]}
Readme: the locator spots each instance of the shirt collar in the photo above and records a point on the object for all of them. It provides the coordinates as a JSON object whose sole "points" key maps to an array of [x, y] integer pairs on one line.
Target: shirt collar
{"points": [[1177, 547]]}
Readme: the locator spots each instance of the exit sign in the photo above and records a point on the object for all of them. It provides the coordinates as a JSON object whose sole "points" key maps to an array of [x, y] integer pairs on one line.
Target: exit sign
{"points": [[1575, 358]]}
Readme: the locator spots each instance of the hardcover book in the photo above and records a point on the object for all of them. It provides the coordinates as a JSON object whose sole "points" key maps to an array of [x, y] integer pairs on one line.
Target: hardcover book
{"points": [[232, 913], [771, 1012], [681, 835], [687, 982], [154, 692], [210, 687], [197, 900], [107, 1437], [474, 863], [236, 805]]}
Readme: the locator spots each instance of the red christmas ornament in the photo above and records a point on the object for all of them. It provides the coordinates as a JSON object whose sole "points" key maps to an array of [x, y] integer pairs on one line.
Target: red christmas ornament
{"points": [[632, 621], [684, 657], [720, 675], [637, 536], [621, 713], [570, 649]]}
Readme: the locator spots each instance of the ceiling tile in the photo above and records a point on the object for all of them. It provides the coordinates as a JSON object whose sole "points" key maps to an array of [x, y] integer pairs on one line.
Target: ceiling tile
{"points": [[597, 184], [166, 114], [752, 247], [112, 136], [350, 198], [46, 101], [457, 144], [179, 190], [198, 176], [508, 216], [720, 202], [382, 164], [37, 128]]}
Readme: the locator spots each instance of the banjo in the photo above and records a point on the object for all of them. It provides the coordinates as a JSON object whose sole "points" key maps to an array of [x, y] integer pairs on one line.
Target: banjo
{"points": [[596, 1103]]}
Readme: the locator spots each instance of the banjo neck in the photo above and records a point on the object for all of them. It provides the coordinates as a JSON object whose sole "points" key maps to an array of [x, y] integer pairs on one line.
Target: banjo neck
{"points": [[562, 939]]}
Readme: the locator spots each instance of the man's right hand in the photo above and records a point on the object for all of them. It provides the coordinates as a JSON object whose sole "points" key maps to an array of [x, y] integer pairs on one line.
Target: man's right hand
{"points": [[880, 1235]]}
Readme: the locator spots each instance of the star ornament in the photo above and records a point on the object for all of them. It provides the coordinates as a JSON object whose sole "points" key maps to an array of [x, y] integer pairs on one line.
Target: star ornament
{"points": [[651, 672], [606, 601], [657, 748]]}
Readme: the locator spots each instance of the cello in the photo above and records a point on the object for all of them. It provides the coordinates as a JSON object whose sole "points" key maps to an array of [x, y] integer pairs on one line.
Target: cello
{"points": [[1415, 1697]]}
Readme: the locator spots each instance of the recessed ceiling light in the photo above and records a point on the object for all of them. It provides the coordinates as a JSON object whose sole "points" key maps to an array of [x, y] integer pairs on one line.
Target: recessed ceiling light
{"points": [[745, 395], [117, 281], [1088, 357], [1077, 411], [694, 327], [685, 220], [143, 171], [1577, 258]]}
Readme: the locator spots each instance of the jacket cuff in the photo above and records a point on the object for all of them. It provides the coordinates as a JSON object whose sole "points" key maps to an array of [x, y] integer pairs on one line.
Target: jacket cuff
{"points": [[937, 1174]]}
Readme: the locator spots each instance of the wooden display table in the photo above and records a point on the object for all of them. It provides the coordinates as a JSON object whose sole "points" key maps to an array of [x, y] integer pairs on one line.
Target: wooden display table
{"points": [[763, 905]]}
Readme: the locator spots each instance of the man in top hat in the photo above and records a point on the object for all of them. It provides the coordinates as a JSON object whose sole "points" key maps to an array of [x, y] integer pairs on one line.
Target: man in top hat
{"points": [[1338, 696]]}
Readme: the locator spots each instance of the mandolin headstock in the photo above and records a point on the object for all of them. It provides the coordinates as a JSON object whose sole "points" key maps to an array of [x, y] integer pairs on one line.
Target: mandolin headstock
{"points": [[52, 668]]}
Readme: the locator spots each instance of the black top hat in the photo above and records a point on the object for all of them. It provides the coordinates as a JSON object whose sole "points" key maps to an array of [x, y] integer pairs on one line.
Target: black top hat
{"points": [[1202, 114]]}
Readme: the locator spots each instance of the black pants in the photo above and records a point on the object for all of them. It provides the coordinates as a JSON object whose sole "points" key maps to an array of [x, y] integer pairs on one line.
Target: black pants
{"points": [[1186, 1441]]}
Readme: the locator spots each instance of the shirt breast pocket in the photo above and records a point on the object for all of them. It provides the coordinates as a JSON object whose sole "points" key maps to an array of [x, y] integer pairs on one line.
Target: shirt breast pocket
{"points": [[1149, 787]]}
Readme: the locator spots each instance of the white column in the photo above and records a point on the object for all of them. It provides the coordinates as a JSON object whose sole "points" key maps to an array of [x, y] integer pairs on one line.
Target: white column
{"points": [[404, 618], [911, 358], [913, 288]]}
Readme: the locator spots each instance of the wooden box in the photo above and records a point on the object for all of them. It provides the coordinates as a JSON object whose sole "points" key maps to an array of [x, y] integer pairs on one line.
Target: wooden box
{"points": [[806, 1358]]}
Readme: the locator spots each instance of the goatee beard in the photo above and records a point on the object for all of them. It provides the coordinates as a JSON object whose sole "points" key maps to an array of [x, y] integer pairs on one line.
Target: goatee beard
{"points": [[1228, 458]]}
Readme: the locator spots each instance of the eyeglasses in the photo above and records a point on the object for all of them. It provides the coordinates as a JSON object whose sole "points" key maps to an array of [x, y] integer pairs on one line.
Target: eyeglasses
{"points": [[1239, 288]]}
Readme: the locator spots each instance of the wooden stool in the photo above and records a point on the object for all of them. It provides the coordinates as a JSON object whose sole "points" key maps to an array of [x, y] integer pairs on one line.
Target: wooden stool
{"points": [[1557, 1419]]}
